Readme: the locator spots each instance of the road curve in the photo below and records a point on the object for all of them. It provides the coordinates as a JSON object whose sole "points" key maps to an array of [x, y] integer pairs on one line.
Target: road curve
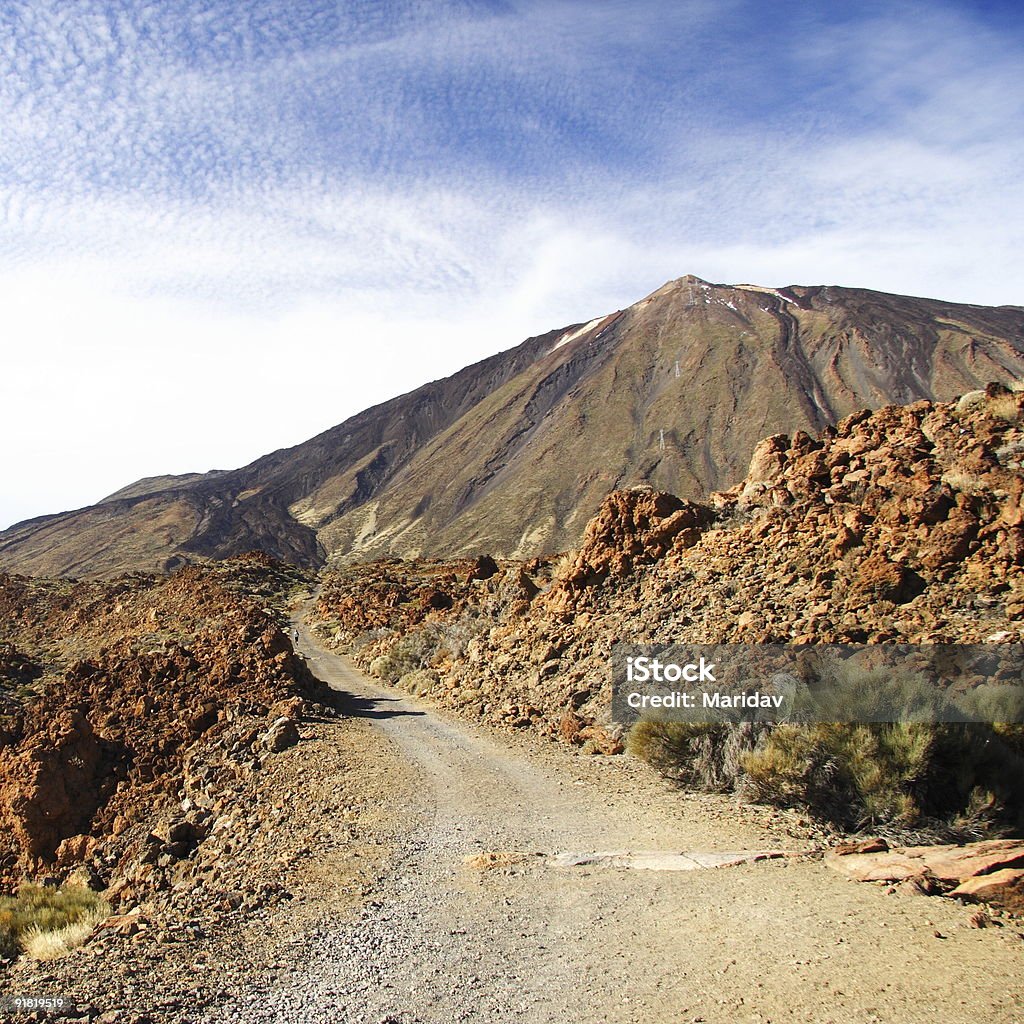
{"points": [[528, 942]]}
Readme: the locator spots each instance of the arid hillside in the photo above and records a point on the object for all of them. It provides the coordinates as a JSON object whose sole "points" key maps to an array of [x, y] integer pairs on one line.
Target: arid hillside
{"points": [[905, 524], [249, 840], [514, 454]]}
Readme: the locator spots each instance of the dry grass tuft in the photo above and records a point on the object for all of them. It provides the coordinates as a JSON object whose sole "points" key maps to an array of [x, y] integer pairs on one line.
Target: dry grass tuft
{"points": [[51, 945], [697, 755], [963, 480], [1005, 407], [47, 923]]}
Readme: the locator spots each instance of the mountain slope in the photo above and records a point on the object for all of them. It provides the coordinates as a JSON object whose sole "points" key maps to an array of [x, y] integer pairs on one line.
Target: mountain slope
{"points": [[515, 453]]}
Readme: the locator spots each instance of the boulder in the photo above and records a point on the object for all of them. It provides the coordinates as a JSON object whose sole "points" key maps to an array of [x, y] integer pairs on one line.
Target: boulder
{"points": [[1003, 889], [878, 579], [874, 845], [991, 871], [483, 569], [958, 863], [290, 707], [281, 735], [632, 527], [437, 600], [75, 850], [888, 866], [769, 460]]}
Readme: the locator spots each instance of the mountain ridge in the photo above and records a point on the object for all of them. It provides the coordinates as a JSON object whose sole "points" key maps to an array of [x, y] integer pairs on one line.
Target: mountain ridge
{"points": [[515, 452]]}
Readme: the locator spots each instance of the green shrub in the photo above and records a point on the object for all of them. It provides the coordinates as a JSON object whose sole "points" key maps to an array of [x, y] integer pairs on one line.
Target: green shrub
{"points": [[955, 780], [700, 756], [848, 690], [852, 774], [415, 650], [954, 777], [995, 703]]}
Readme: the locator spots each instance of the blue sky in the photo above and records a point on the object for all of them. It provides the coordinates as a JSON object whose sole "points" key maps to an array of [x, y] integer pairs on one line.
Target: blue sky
{"points": [[227, 226]]}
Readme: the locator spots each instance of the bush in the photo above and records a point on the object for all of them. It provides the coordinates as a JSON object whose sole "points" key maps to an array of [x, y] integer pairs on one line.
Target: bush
{"points": [[955, 780], [420, 681], [1004, 407], [700, 756], [413, 651], [48, 923], [855, 690], [422, 648], [850, 774]]}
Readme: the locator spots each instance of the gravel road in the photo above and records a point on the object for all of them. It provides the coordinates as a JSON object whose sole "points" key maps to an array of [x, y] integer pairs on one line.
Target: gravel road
{"points": [[522, 940]]}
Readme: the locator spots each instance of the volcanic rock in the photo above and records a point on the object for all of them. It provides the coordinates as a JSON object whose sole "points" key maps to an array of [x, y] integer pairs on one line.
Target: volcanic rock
{"points": [[1003, 889], [281, 735]]}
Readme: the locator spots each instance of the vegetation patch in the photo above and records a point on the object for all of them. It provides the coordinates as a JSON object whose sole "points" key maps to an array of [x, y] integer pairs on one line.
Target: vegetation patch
{"points": [[47, 923], [431, 644], [698, 755], [953, 780]]}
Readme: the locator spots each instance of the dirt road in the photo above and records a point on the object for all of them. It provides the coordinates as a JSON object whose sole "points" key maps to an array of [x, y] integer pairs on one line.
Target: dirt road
{"points": [[443, 941]]}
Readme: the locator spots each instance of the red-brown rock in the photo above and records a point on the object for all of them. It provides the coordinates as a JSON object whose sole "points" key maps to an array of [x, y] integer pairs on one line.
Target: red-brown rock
{"points": [[1003, 889]]}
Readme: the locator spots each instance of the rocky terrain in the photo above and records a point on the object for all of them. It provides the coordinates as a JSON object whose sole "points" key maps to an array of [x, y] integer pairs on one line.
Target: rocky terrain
{"points": [[514, 454], [272, 847], [904, 524], [428, 871], [269, 845], [162, 743], [134, 710], [291, 842], [989, 872]]}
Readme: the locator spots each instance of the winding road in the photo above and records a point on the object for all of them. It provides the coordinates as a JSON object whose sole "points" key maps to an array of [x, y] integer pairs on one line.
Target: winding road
{"points": [[512, 937]]}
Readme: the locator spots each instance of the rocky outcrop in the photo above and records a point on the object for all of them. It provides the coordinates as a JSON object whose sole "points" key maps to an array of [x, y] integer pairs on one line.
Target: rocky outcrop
{"points": [[632, 528], [1003, 889], [51, 788], [118, 736], [897, 525], [393, 594], [282, 734], [950, 864], [989, 872]]}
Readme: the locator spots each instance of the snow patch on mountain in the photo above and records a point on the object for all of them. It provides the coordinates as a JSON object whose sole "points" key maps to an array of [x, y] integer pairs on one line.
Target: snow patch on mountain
{"points": [[578, 333]]}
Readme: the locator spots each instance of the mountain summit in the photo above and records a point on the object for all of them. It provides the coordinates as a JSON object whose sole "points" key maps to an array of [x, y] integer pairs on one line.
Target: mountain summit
{"points": [[513, 454]]}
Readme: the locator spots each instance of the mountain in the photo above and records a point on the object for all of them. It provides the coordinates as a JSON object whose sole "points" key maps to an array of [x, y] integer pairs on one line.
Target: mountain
{"points": [[513, 454], [899, 526]]}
